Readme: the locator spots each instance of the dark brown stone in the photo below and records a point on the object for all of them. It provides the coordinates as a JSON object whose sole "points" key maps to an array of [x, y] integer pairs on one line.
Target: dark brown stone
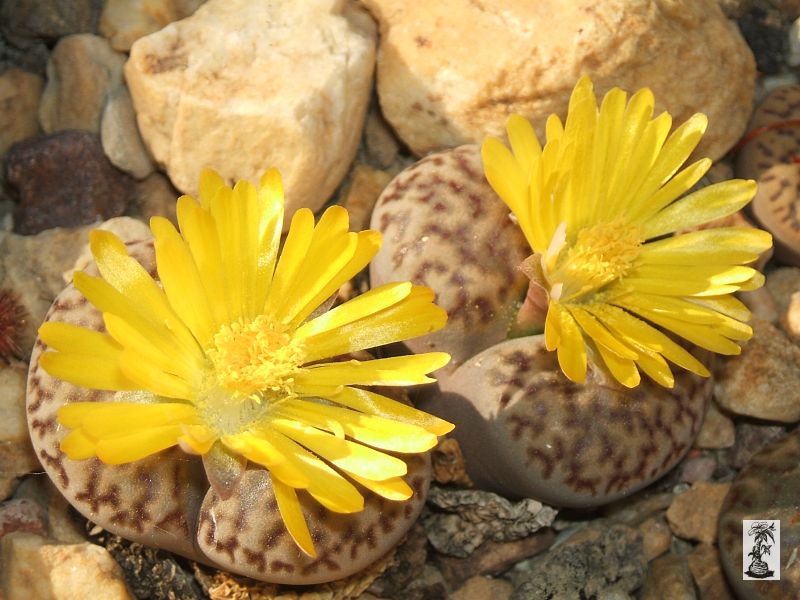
{"points": [[64, 180]]}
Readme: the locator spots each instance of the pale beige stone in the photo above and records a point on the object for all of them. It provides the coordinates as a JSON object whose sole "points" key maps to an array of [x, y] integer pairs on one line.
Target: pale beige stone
{"points": [[694, 514], [81, 72], [763, 380], [16, 453], [243, 86], [20, 92], [437, 91], [36, 567], [120, 137], [125, 21]]}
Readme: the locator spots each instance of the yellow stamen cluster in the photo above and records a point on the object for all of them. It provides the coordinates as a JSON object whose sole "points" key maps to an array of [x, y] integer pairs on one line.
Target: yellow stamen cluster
{"points": [[255, 357]]}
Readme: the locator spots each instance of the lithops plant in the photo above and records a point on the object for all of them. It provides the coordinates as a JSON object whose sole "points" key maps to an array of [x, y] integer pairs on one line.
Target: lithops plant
{"points": [[194, 396], [773, 136], [445, 228], [776, 206], [568, 444], [609, 283]]}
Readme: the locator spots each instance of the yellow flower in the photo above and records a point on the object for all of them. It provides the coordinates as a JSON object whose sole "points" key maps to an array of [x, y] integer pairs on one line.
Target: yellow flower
{"points": [[597, 205], [229, 352]]}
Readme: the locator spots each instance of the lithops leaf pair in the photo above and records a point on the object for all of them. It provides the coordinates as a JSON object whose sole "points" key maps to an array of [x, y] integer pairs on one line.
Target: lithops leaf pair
{"points": [[616, 293], [196, 396]]}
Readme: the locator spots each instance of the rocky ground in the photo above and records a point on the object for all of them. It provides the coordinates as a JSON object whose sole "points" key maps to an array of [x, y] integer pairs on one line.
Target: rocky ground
{"points": [[71, 89]]}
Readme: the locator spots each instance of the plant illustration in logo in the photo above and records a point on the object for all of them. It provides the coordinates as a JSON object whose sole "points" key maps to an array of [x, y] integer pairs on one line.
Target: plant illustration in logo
{"points": [[760, 532]]}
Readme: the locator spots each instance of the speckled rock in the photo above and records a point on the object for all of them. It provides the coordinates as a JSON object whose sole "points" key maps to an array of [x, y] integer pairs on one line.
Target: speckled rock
{"points": [[19, 102], [596, 560], [437, 92], [467, 518], [36, 567], [693, 515], [64, 179], [165, 501], [57, 518], [763, 380], [120, 136], [767, 488], [83, 69], [125, 21], [772, 140], [527, 431], [717, 430], [776, 207], [16, 454], [444, 227], [782, 283], [220, 88]]}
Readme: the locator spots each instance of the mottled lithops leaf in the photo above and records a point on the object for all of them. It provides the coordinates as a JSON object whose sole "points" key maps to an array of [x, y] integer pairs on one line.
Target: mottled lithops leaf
{"points": [[528, 431], [777, 208], [165, 500], [774, 137], [767, 488], [444, 227], [245, 533]]}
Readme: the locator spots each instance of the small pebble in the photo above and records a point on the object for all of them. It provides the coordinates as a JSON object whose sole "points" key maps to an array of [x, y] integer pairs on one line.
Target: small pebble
{"points": [[763, 380], [707, 572], [120, 135], [361, 194], [494, 558], [19, 103], [64, 179], [698, 468], [750, 438], [82, 70], [16, 453], [693, 514], [668, 578], [656, 537], [48, 19], [717, 431], [482, 588]]}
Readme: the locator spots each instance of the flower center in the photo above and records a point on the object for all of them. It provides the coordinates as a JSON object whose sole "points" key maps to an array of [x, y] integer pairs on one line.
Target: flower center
{"points": [[255, 358], [600, 255], [252, 368]]}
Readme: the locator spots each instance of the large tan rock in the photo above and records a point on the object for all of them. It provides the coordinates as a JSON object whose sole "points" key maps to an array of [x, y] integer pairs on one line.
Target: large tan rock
{"points": [[125, 21], [36, 567], [243, 86], [438, 91]]}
